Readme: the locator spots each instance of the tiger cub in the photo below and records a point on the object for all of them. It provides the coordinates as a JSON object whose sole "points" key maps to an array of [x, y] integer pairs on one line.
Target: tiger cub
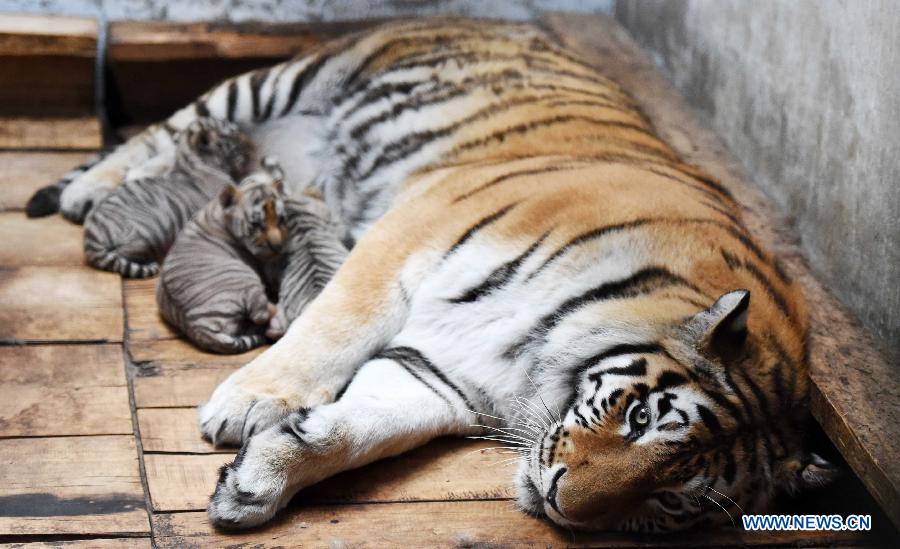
{"points": [[212, 286], [317, 245], [131, 230]]}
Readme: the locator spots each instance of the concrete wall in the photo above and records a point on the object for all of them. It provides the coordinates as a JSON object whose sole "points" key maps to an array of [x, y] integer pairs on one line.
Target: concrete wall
{"points": [[298, 10], [807, 94]]}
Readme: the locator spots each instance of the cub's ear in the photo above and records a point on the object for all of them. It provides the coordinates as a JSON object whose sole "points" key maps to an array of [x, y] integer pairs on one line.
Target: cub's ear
{"points": [[795, 474], [229, 196], [722, 329]]}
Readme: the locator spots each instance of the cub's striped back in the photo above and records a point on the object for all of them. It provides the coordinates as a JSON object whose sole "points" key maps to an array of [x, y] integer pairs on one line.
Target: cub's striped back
{"points": [[213, 285], [132, 229]]}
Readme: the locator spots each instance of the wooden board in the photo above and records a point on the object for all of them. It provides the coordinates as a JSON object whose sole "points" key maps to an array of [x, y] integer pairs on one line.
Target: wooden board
{"points": [[60, 304], [22, 173], [50, 133], [444, 524], [97, 543], [856, 393], [45, 241], [174, 373], [71, 485], [162, 41], [445, 470], [173, 430], [63, 390], [142, 313], [35, 35]]}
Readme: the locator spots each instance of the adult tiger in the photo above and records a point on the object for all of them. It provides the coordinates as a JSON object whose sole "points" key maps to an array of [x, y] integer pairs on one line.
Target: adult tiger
{"points": [[531, 257]]}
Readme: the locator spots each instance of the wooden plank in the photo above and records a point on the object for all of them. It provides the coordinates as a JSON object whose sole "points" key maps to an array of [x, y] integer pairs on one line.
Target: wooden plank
{"points": [[33, 35], [97, 543], [142, 313], [446, 524], [447, 469], [855, 392], [50, 133], [63, 390], [173, 430], [22, 173], [162, 41], [60, 304], [174, 373], [44, 241], [71, 485], [166, 41]]}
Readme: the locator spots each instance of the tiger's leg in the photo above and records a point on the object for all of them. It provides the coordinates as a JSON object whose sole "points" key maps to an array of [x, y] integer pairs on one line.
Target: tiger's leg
{"points": [[391, 406], [355, 316]]}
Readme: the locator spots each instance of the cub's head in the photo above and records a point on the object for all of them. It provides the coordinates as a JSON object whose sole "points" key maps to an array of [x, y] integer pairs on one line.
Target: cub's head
{"points": [[254, 212], [668, 434], [218, 144]]}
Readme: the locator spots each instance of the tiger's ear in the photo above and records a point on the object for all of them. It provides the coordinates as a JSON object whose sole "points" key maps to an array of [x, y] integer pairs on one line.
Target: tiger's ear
{"points": [[722, 329], [229, 196], [795, 474]]}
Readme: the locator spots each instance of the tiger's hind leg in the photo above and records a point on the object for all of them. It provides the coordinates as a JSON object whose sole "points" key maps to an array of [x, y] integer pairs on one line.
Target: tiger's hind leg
{"points": [[391, 406]]}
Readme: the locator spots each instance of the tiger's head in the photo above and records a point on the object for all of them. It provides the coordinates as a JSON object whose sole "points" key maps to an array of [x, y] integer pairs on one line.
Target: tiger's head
{"points": [[254, 212], [217, 144], [668, 434]]}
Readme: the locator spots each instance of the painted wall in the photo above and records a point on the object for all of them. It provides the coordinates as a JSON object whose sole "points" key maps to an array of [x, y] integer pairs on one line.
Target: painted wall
{"points": [[298, 10], [807, 94]]}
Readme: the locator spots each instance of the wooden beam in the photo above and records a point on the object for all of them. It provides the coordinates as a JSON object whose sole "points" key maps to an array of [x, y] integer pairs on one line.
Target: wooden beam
{"points": [[855, 392], [38, 35], [163, 41], [50, 133]]}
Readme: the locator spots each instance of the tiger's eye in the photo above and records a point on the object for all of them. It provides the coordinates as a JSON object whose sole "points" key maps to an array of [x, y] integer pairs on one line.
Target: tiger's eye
{"points": [[639, 417], [642, 417]]}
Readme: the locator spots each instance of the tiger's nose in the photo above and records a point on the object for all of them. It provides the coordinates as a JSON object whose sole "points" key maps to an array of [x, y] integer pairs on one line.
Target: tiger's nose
{"points": [[275, 238]]}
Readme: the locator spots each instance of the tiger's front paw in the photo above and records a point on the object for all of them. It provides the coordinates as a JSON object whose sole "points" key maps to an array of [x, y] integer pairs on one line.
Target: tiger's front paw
{"points": [[234, 414], [270, 468]]}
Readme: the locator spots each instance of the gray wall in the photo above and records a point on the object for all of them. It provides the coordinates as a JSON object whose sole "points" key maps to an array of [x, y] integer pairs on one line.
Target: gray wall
{"points": [[807, 95], [298, 10]]}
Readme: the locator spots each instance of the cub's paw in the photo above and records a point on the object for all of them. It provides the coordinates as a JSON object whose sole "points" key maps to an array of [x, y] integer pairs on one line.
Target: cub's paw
{"points": [[234, 414], [278, 324]]}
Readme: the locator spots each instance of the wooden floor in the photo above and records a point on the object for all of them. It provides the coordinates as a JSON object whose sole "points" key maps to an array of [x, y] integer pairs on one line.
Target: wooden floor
{"points": [[98, 438]]}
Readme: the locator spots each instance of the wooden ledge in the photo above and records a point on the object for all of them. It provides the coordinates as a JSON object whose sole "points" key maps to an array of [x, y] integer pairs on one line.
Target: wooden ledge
{"points": [[35, 35], [855, 393]]}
